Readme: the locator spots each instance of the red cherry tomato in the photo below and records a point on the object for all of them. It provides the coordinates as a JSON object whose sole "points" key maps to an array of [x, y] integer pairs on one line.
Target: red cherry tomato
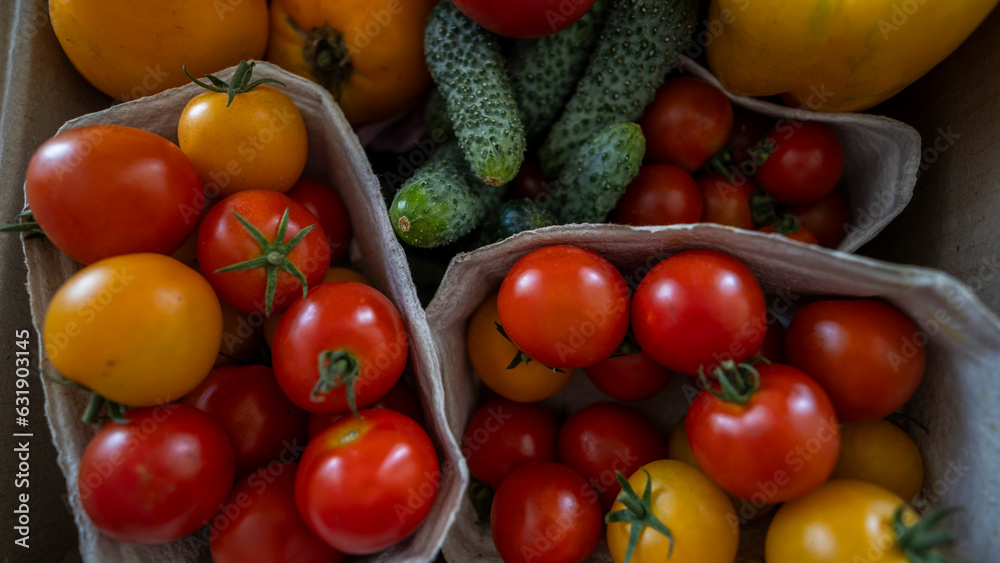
{"points": [[260, 522], [603, 438], [366, 483], [802, 234], [698, 308], [632, 377], [157, 478], [688, 122], [725, 202], [564, 306], [247, 402], [865, 353], [806, 164], [660, 195], [107, 190], [545, 512], [827, 218], [400, 398], [330, 211], [503, 435], [523, 19], [777, 443]]}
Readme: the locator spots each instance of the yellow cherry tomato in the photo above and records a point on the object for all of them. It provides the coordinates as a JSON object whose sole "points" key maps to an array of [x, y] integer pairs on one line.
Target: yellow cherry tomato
{"points": [[334, 274], [491, 353], [139, 329], [696, 511], [879, 452]]}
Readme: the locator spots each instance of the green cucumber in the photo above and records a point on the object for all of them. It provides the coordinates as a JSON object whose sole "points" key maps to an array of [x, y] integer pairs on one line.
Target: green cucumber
{"points": [[639, 45], [471, 73], [518, 215], [436, 116], [545, 71]]}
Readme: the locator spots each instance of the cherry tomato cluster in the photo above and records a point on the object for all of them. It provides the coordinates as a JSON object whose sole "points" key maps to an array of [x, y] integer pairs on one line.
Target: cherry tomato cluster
{"points": [[303, 442], [790, 417], [750, 173]]}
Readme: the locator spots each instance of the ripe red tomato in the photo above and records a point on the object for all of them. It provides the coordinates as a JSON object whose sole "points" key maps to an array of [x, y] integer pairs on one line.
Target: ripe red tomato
{"points": [[107, 190], [368, 482], [355, 333], [400, 398], [725, 202], [268, 284], [247, 402], [867, 355], [632, 377], [260, 522], [802, 234], [330, 211], [774, 443], [688, 122], [827, 218], [603, 438], [523, 19], [699, 308], [564, 306], [661, 194], [545, 512], [157, 478], [807, 163], [503, 435]]}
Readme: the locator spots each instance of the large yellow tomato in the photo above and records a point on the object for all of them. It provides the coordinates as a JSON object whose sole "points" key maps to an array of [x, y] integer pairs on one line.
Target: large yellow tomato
{"points": [[879, 452], [133, 49], [368, 53], [139, 329]]}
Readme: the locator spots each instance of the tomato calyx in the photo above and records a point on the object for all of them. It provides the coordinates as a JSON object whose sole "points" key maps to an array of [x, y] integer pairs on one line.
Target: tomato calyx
{"points": [[638, 512], [92, 413], [327, 54], [520, 356], [737, 383], [274, 257], [337, 368], [25, 223], [240, 84], [481, 496], [765, 210], [786, 225], [628, 346], [920, 540], [762, 151], [721, 163]]}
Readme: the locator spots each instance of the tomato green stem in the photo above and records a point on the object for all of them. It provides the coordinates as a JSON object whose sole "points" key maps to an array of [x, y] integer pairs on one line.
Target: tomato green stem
{"points": [[240, 83], [94, 407], [737, 383], [638, 513], [720, 162], [520, 356], [481, 496], [787, 224], [327, 55], [920, 541], [762, 151], [337, 368]]}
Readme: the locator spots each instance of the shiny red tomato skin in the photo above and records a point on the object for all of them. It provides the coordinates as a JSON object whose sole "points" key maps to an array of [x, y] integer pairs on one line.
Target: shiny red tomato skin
{"points": [[158, 478], [524, 19], [503, 435], [778, 446], [330, 211], [725, 202], [826, 217], [223, 241], [367, 483], [257, 416], [632, 377], [554, 296], [346, 316], [545, 512], [866, 354], [107, 190], [688, 121], [698, 308], [401, 398], [260, 522], [807, 163], [661, 194], [602, 438], [801, 235]]}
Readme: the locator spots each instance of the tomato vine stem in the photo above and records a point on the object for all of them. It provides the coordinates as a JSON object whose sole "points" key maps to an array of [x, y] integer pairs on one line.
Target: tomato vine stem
{"points": [[638, 513]]}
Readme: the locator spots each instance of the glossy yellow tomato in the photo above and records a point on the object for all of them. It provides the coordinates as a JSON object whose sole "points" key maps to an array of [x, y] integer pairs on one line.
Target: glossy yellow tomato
{"points": [[368, 53], [335, 274], [139, 329], [133, 49], [879, 452], [491, 353], [696, 511]]}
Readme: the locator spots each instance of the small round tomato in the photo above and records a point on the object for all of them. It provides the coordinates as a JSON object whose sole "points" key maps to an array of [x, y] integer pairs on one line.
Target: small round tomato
{"points": [[697, 513], [503, 435], [697, 309], [604, 438], [544, 512], [246, 263], [335, 273], [249, 405], [564, 306], [330, 211], [770, 438], [879, 452], [660, 195], [726, 203], [400, 398], [339, 349], [260, 522], [139, 329], [108, 190], [806, 163], [524, 19], [827, 218], [867, 355], [688, 122], [801, 233], [632, 377], [157, 478], [368, 482]]}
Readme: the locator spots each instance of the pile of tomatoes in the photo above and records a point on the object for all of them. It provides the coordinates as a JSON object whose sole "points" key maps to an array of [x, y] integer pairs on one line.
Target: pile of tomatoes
{"points": [[792, 417], [253, 390]]}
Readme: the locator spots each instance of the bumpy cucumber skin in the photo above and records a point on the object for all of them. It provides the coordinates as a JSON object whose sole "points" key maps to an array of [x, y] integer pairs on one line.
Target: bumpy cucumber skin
{"points": [[471, 73], [518, 215], [595, 179], [436, 116], [545, 71], [639, 45]]}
